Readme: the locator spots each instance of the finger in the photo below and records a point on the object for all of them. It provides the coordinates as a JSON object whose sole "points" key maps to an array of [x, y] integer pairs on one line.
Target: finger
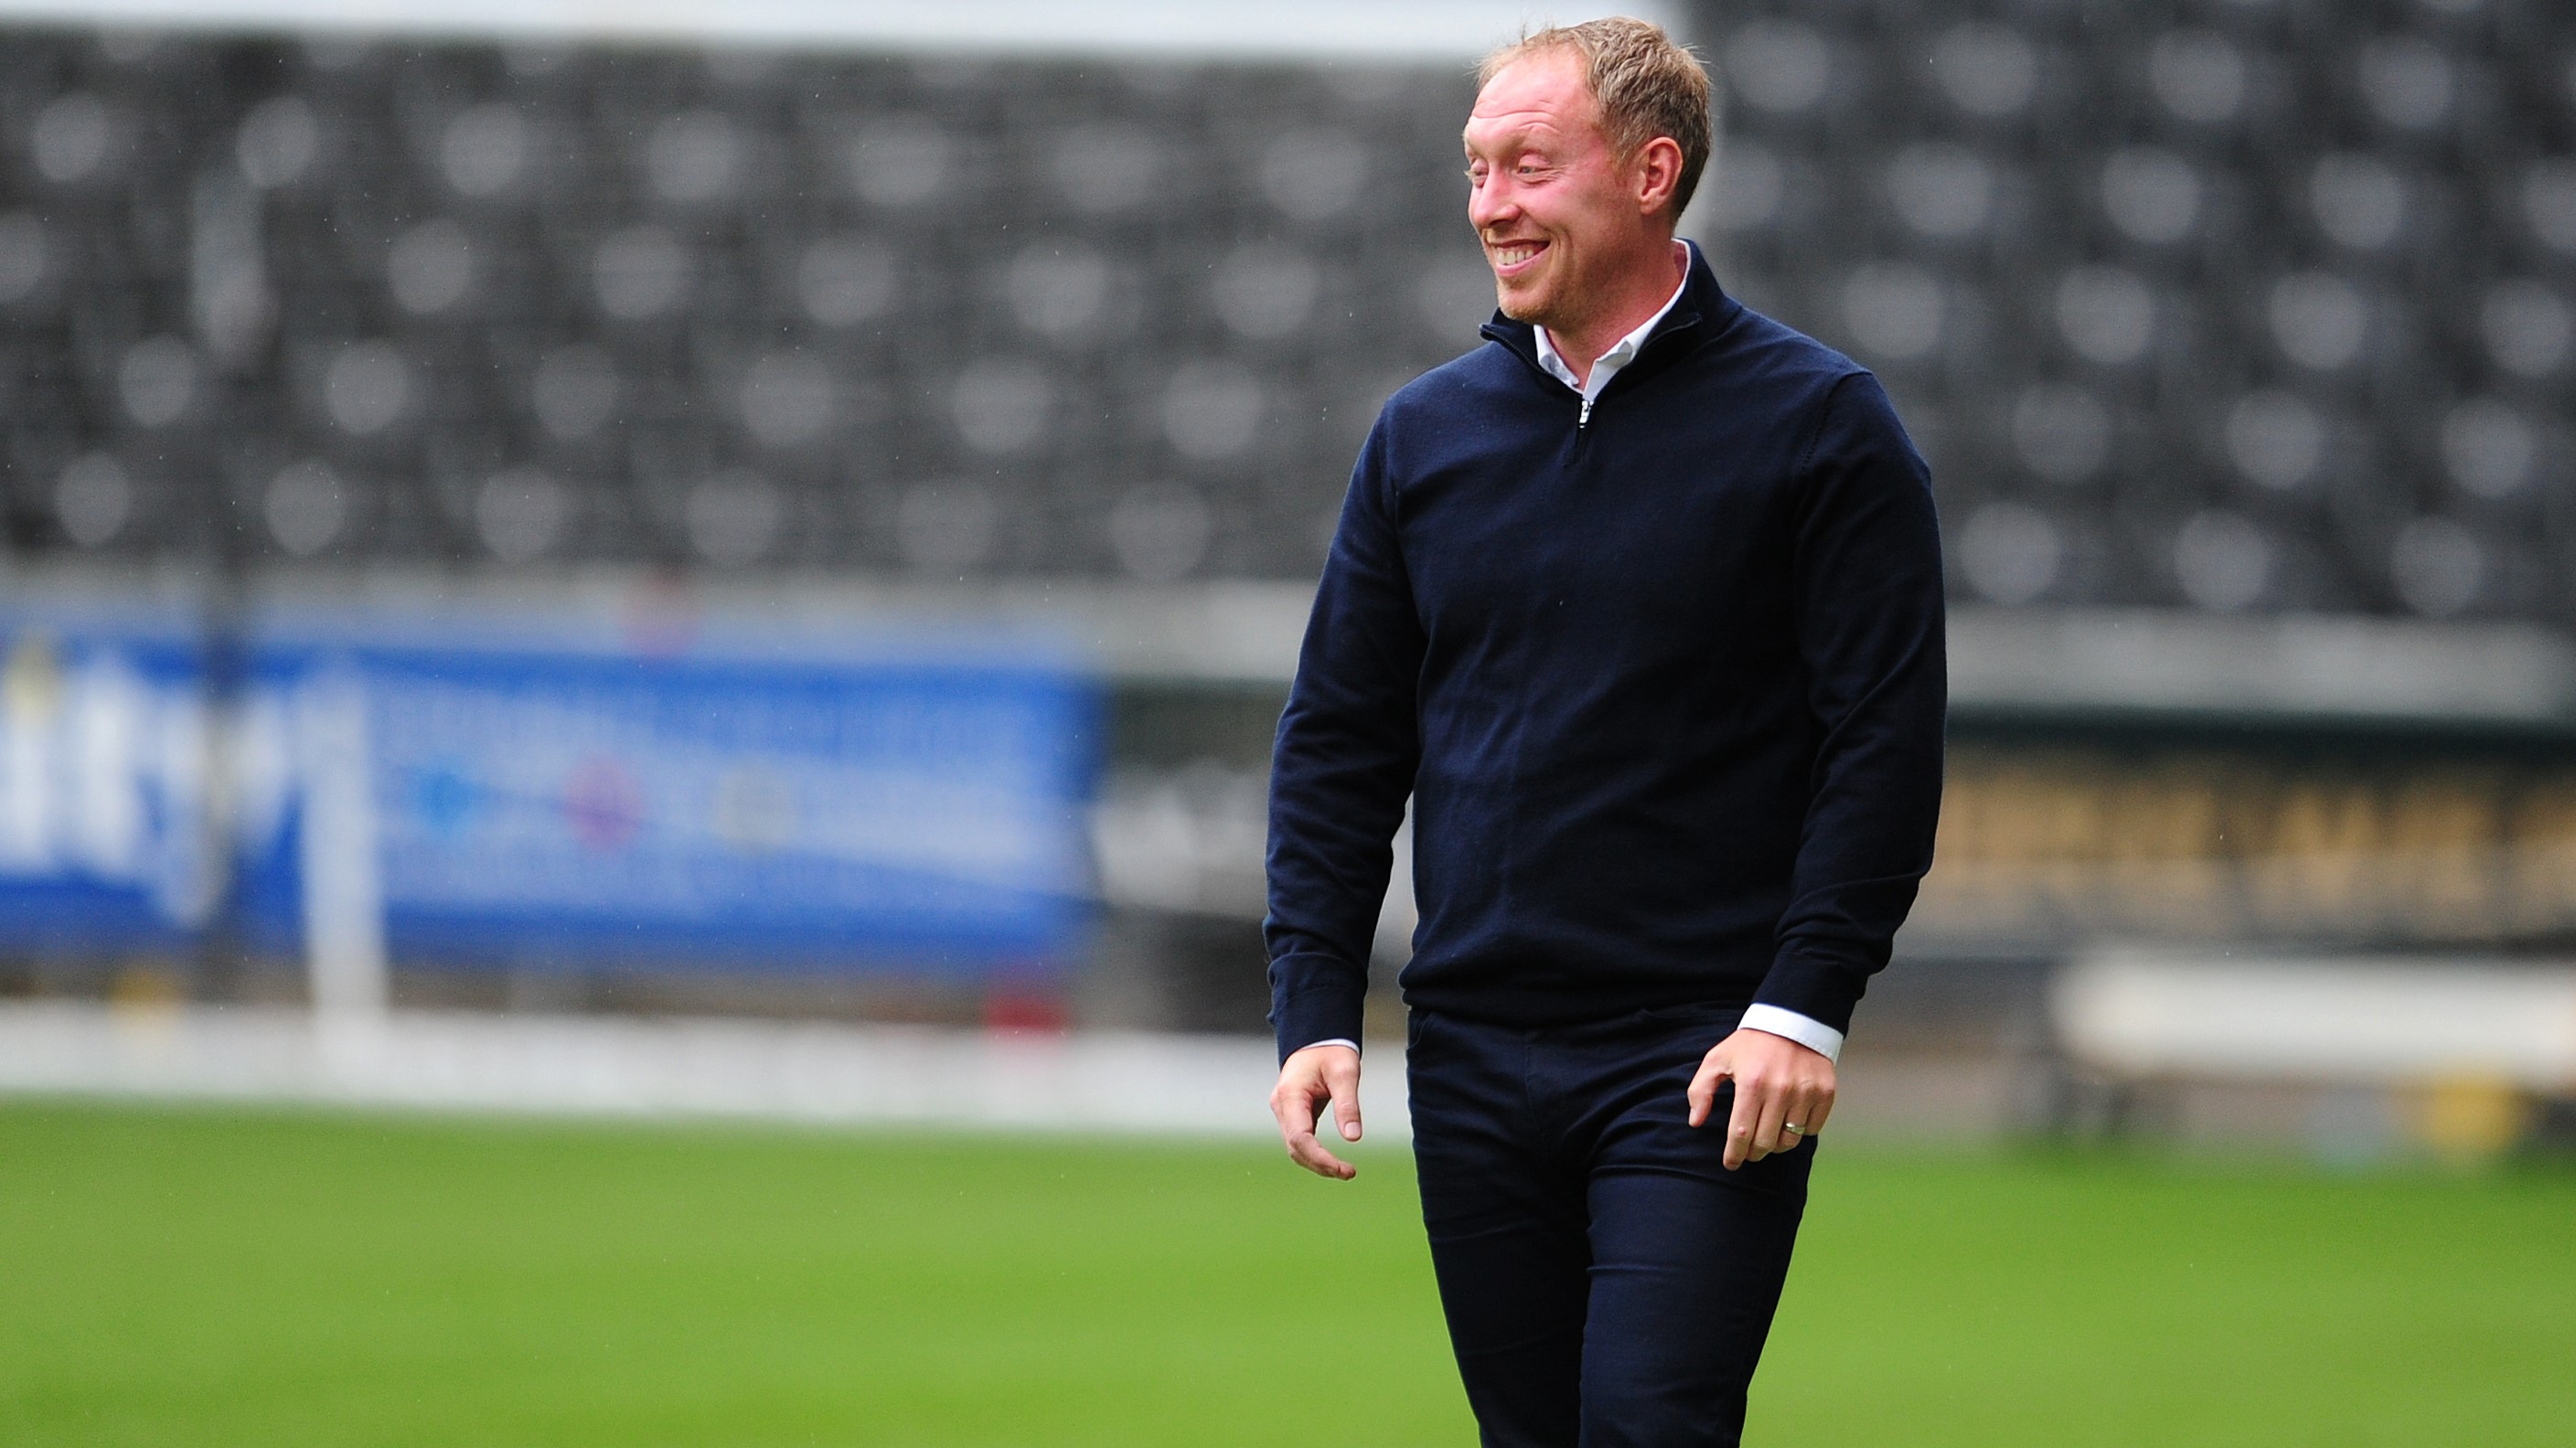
{"points": [[1703, 1087], [1346, 1113], [1799, 1108], [1346, 1100], [1309, 1153], [1767, 1135], [1816, 1114], [1741, 1121]]}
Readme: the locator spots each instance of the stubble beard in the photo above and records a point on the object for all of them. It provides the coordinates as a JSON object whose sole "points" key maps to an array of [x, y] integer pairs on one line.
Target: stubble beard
{"points": [[1557, 302], [1543, 307]]}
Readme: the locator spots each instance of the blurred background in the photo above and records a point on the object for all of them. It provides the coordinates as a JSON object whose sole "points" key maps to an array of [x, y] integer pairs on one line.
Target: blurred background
{"points": [[741, 563], [806, 514]]}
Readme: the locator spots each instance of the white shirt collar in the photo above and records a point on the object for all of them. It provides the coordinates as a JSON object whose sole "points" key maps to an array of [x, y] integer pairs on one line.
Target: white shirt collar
{"points": [[1621, 353]]}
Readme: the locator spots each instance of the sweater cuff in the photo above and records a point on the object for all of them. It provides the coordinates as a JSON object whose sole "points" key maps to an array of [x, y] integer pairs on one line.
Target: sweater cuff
{"points": [[1823, 991], [1315, 999]]}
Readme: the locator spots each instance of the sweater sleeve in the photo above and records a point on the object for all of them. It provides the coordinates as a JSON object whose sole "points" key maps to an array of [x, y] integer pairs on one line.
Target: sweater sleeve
{"points": [[1867, 594], [1342, 767]]}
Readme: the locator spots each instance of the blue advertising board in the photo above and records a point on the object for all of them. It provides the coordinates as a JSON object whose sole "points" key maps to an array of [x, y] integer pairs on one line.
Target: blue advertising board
{"points": [[549, 801], [104, 840]]}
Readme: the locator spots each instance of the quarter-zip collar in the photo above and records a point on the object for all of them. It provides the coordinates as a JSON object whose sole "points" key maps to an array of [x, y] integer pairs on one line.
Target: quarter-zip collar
{"points": [[1619, 354], [1700, 300]]}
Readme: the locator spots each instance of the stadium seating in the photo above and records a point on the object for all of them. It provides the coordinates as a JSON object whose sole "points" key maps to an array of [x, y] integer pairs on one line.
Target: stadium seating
{"points": [[2233, 305], [2227, 304], [490, 306]]}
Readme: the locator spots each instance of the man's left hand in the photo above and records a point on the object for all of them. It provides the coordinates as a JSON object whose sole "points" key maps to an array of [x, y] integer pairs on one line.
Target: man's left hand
{"points": [[1777, 1082]]}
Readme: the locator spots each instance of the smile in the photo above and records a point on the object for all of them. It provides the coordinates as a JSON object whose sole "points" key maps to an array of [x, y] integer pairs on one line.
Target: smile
{"points": [[1514, 256]]}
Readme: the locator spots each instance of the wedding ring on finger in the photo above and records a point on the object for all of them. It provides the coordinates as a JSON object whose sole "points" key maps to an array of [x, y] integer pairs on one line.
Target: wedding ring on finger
{"points": [[1793, 1128]]}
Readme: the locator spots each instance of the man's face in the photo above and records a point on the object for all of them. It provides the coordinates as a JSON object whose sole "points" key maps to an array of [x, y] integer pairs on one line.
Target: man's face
{"points": [[1547, 193]]}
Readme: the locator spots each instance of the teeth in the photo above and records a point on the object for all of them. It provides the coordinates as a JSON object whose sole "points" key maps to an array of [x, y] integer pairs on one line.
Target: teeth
{"points": [[1514, 255]]}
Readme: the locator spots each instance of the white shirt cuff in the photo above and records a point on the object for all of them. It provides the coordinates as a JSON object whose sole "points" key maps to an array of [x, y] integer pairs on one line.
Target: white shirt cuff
{"points": [[1807, 1031]]}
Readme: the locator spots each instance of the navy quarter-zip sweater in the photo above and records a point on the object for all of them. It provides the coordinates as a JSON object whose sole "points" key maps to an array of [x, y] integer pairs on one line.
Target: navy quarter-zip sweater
{"points": [[1666, 688]]}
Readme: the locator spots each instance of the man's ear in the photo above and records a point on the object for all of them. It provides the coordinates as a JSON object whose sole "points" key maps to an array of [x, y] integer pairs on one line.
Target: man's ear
{"points": [[1657, 174]]}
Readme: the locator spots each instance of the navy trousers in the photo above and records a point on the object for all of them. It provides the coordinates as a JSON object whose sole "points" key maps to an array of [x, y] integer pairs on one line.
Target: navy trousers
{"points": [[1608, 1283]]}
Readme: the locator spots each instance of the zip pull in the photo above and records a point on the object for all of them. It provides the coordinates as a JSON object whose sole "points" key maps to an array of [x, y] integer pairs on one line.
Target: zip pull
{"points": [[1584, 419]]}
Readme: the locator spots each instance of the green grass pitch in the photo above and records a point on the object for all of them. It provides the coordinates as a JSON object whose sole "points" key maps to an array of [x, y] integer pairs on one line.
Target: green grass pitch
{"points": [[178, 1277]]}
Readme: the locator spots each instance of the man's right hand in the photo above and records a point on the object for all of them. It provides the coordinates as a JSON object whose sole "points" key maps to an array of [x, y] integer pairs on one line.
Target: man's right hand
{"points": [[1307, 1079]]}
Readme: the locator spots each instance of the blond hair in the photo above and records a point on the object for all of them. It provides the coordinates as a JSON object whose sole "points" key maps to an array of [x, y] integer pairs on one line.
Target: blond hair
{"points": [[1646, 84]]}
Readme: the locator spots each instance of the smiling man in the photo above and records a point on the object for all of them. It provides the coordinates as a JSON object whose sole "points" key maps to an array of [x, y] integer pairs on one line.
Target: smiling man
{"points": [[1640, 604]]}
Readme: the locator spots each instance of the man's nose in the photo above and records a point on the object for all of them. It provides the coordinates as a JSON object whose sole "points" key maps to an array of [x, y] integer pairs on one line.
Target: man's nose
{"points": [[1490, 202]]}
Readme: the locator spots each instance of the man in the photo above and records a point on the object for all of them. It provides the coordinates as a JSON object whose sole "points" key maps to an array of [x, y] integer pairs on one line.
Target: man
{"points": [[1640, 603]]}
